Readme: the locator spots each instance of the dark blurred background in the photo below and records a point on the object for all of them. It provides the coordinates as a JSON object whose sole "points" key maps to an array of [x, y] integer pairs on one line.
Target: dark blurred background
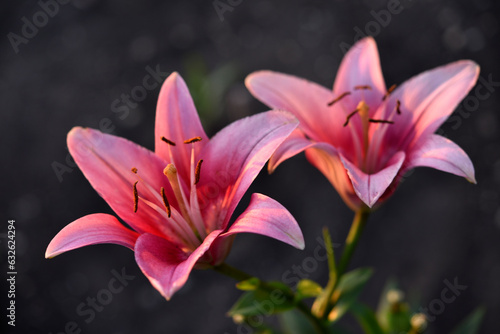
{"points": [[87, 53]]}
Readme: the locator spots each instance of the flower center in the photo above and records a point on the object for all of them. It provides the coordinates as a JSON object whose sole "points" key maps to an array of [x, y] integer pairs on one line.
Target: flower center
{"points": [[184, 205], [363, 111], [185, 219]]}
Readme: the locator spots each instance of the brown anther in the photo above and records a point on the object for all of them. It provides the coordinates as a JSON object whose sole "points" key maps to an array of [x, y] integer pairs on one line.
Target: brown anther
{"points": [[398, 104], [337, 99], [349, 117], [389, 91], [380, 121], [197, 172], [192, 140], [136, 196], [368, 87], [165, 201], [169, 142], [134, 170]]}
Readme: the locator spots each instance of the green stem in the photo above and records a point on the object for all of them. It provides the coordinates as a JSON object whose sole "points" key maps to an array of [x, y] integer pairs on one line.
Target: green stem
{"points": [[239, 275], [357, 226]]}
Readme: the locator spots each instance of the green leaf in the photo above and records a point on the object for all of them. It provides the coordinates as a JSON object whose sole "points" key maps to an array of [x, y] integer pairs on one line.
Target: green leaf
{"points": [[393, 312], [294, 322], [307, 289], [321, 303], [399, 318], [277, 285], [270, 298], [472, 323], [350, 286], [366, 318], [329, 251], [249, 284], [353, 280], [384, 307]]}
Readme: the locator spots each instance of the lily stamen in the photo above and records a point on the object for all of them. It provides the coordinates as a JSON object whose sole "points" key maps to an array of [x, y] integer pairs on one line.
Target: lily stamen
{"points": [[350, 115], [340, 97], [169, 142], [165, 202], [192, 140], [398, 105], [363, 87], [171, 173], [389, 91], [136, 197], [184, 231], [380, 121], [198, 172], [134, 170]]}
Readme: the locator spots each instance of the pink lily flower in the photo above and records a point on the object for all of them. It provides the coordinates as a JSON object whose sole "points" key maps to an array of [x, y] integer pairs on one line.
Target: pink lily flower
{"points": [[178, 200], [362, 136]]}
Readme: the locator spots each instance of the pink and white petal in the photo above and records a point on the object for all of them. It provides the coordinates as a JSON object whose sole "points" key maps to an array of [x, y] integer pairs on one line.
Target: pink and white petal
{"points": [[326, 159], [360, 67], [165, 264], [267, 217], [443, 154], [293, 145], [92, 229], [307, 100], [106, 161], [234, 157], [427, 100], [177, 120], [369, 187]]}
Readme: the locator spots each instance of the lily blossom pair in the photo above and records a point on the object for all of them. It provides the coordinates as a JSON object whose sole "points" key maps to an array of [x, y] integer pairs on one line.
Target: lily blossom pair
{"points": [[362, 136], [178, 201]]}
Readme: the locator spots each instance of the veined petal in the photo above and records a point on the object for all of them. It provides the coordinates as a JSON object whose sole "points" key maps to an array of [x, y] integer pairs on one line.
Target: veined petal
{"points": [[443, 154], [177, 120], [369, 187], [307, 100], [234, 157], [361, 67], [293, 145], [93, 229], [326, 158], [267, 217], [166, 265], [107, 162], [426, 102]]}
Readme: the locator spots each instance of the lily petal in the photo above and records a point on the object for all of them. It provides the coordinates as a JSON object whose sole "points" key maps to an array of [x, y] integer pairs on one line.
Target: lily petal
{"points": [[426, 102], [293, 145], [93, 229], [307, 100], [369, 187], [234, 157], [443, 154], [165, 264], [360, 67], [106, 161], [177, 120], [267, 217], [326, 159]]}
